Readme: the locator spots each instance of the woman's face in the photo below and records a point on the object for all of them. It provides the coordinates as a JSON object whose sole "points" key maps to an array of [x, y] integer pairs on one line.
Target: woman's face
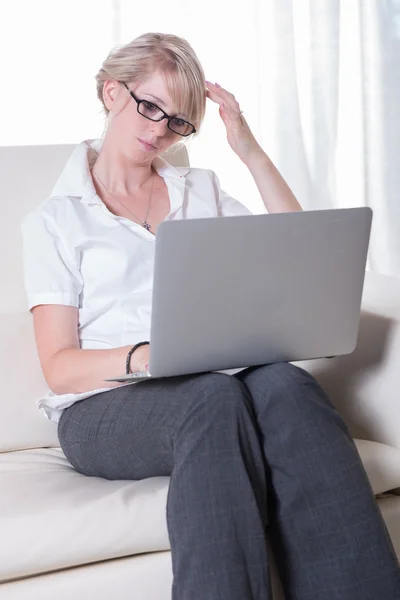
{"points": [[139, 138]]}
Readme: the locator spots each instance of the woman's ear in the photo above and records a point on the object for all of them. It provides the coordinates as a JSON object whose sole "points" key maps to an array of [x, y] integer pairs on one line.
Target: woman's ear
{"points": [[110, 92]]}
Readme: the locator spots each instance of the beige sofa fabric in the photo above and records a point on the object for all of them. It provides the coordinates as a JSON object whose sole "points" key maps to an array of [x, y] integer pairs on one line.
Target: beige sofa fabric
{"points": [[140, 577], [22, 425], [365, 385], [96, 519], [53, 517]]}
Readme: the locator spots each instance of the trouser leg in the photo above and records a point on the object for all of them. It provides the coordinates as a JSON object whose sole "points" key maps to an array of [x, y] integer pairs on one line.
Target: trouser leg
{"points": [[217, 497], [328, 535], [201, 431]]}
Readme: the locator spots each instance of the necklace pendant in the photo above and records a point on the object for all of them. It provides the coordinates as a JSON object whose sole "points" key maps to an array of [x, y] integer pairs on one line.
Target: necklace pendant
{"points": [[146, 226]]}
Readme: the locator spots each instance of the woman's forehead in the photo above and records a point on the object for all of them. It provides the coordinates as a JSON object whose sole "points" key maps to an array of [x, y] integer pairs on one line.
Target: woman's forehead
{"points": [[156, 87]]}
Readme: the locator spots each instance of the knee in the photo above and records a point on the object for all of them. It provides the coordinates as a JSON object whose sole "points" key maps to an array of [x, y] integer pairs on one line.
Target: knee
{"points": [[216, 389], [216, 397], [286, 388], [281, 376]]}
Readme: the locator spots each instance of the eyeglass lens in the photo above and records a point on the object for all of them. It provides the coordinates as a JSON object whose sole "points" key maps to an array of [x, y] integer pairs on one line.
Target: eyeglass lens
{"points": [[149, 110]]}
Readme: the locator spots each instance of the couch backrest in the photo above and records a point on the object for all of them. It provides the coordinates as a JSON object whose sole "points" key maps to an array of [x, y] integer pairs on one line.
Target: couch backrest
{"points": [[27, 175]]}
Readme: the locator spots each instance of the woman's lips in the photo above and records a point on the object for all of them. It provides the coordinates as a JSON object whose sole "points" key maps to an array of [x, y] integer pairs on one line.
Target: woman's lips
{"points": [[146, 146]]}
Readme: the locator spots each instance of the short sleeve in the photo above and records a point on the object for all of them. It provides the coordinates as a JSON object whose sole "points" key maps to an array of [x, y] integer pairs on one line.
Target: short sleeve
{"points": [[51, 275], [226, 205]]}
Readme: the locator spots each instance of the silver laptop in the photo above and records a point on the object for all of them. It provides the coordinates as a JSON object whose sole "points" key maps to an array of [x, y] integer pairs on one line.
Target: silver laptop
{"points": [[248, 290]]}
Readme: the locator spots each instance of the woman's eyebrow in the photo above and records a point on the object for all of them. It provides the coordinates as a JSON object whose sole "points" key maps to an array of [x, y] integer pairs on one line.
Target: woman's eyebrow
{"points": [[159, 101], [156, 99]]}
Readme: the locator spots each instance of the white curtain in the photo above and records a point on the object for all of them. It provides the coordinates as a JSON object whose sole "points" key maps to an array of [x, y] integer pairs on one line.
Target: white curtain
{"points": [[332, 124], [318, 81]]}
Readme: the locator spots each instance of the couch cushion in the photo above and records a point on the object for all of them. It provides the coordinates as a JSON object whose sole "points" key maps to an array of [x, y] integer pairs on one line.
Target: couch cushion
{"points": [[52, 517], [382, 464]]}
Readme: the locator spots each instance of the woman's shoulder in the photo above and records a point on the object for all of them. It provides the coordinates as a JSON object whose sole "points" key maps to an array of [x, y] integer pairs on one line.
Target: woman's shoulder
{"points": [[57, 209]]}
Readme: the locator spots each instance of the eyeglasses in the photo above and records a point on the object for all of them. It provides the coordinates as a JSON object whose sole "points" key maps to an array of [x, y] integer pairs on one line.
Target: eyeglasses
{"points": [[154, 113]]}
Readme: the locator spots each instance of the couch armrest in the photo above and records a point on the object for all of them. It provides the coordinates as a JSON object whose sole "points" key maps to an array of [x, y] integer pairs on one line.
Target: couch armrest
{"points": [[365, 385]]}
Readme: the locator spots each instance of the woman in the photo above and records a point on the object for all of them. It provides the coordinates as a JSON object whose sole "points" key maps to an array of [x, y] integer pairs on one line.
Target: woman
{"points": [[261, 450]]}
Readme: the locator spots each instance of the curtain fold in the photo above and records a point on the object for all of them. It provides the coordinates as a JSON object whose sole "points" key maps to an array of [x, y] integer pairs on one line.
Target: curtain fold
{"points": [[336, 128]]}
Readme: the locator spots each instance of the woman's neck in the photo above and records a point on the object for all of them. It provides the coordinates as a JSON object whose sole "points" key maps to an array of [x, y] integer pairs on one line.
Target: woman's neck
{"points": [[120, 175]]}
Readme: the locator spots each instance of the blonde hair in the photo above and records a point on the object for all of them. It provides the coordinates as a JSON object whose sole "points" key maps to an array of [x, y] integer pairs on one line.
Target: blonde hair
{"points": [[163, 53]]}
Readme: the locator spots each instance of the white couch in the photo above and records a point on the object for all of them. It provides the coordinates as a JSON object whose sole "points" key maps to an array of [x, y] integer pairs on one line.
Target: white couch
{"points": [[65, 535]]}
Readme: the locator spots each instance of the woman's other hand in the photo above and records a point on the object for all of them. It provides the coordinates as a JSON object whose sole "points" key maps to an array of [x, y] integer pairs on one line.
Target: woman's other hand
{"points": [[239, 134]]}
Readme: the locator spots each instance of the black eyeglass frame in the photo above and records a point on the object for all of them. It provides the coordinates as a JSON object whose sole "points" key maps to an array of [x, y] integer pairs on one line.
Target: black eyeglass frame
{"points": [[165, 116]]}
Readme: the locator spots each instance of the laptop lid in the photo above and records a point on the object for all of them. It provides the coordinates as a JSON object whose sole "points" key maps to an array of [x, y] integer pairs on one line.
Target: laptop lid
{"points": [[246, 290]]}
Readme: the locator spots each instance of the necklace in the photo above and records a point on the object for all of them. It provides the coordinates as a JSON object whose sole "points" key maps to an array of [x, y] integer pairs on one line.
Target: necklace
{"points": [[144, 223]]}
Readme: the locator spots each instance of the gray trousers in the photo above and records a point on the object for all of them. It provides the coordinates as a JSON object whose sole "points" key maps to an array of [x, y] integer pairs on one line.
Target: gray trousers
{"points": [[259, 453]]}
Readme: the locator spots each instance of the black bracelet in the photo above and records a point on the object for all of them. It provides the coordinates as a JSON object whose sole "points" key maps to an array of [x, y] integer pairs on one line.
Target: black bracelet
{"points": [[131, 351]]}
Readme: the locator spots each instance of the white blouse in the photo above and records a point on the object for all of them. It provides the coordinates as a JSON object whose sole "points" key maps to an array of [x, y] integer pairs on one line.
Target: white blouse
{"points": [[77, 253]]}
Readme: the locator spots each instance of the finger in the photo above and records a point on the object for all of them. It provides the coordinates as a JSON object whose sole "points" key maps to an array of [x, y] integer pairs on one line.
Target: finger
{"points": [[225, 91], [227, 97], [218, 98], [214, 99], [226, 102], [217, 89]]}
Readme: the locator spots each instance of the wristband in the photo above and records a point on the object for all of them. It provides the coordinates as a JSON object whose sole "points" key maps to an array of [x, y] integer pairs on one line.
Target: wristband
{"points": [[131, 351]]}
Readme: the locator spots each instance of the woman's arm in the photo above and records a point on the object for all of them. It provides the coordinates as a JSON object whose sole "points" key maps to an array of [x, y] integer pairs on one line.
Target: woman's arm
{"points": [[67, 368], [275, 192]]}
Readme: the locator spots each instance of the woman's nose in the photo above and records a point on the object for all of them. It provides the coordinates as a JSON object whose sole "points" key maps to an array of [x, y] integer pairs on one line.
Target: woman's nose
{"points": [[160, 127]]}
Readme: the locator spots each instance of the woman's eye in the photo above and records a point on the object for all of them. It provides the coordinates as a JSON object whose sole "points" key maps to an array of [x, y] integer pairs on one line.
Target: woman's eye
{"points": [[179, 122], [150, 106]]}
